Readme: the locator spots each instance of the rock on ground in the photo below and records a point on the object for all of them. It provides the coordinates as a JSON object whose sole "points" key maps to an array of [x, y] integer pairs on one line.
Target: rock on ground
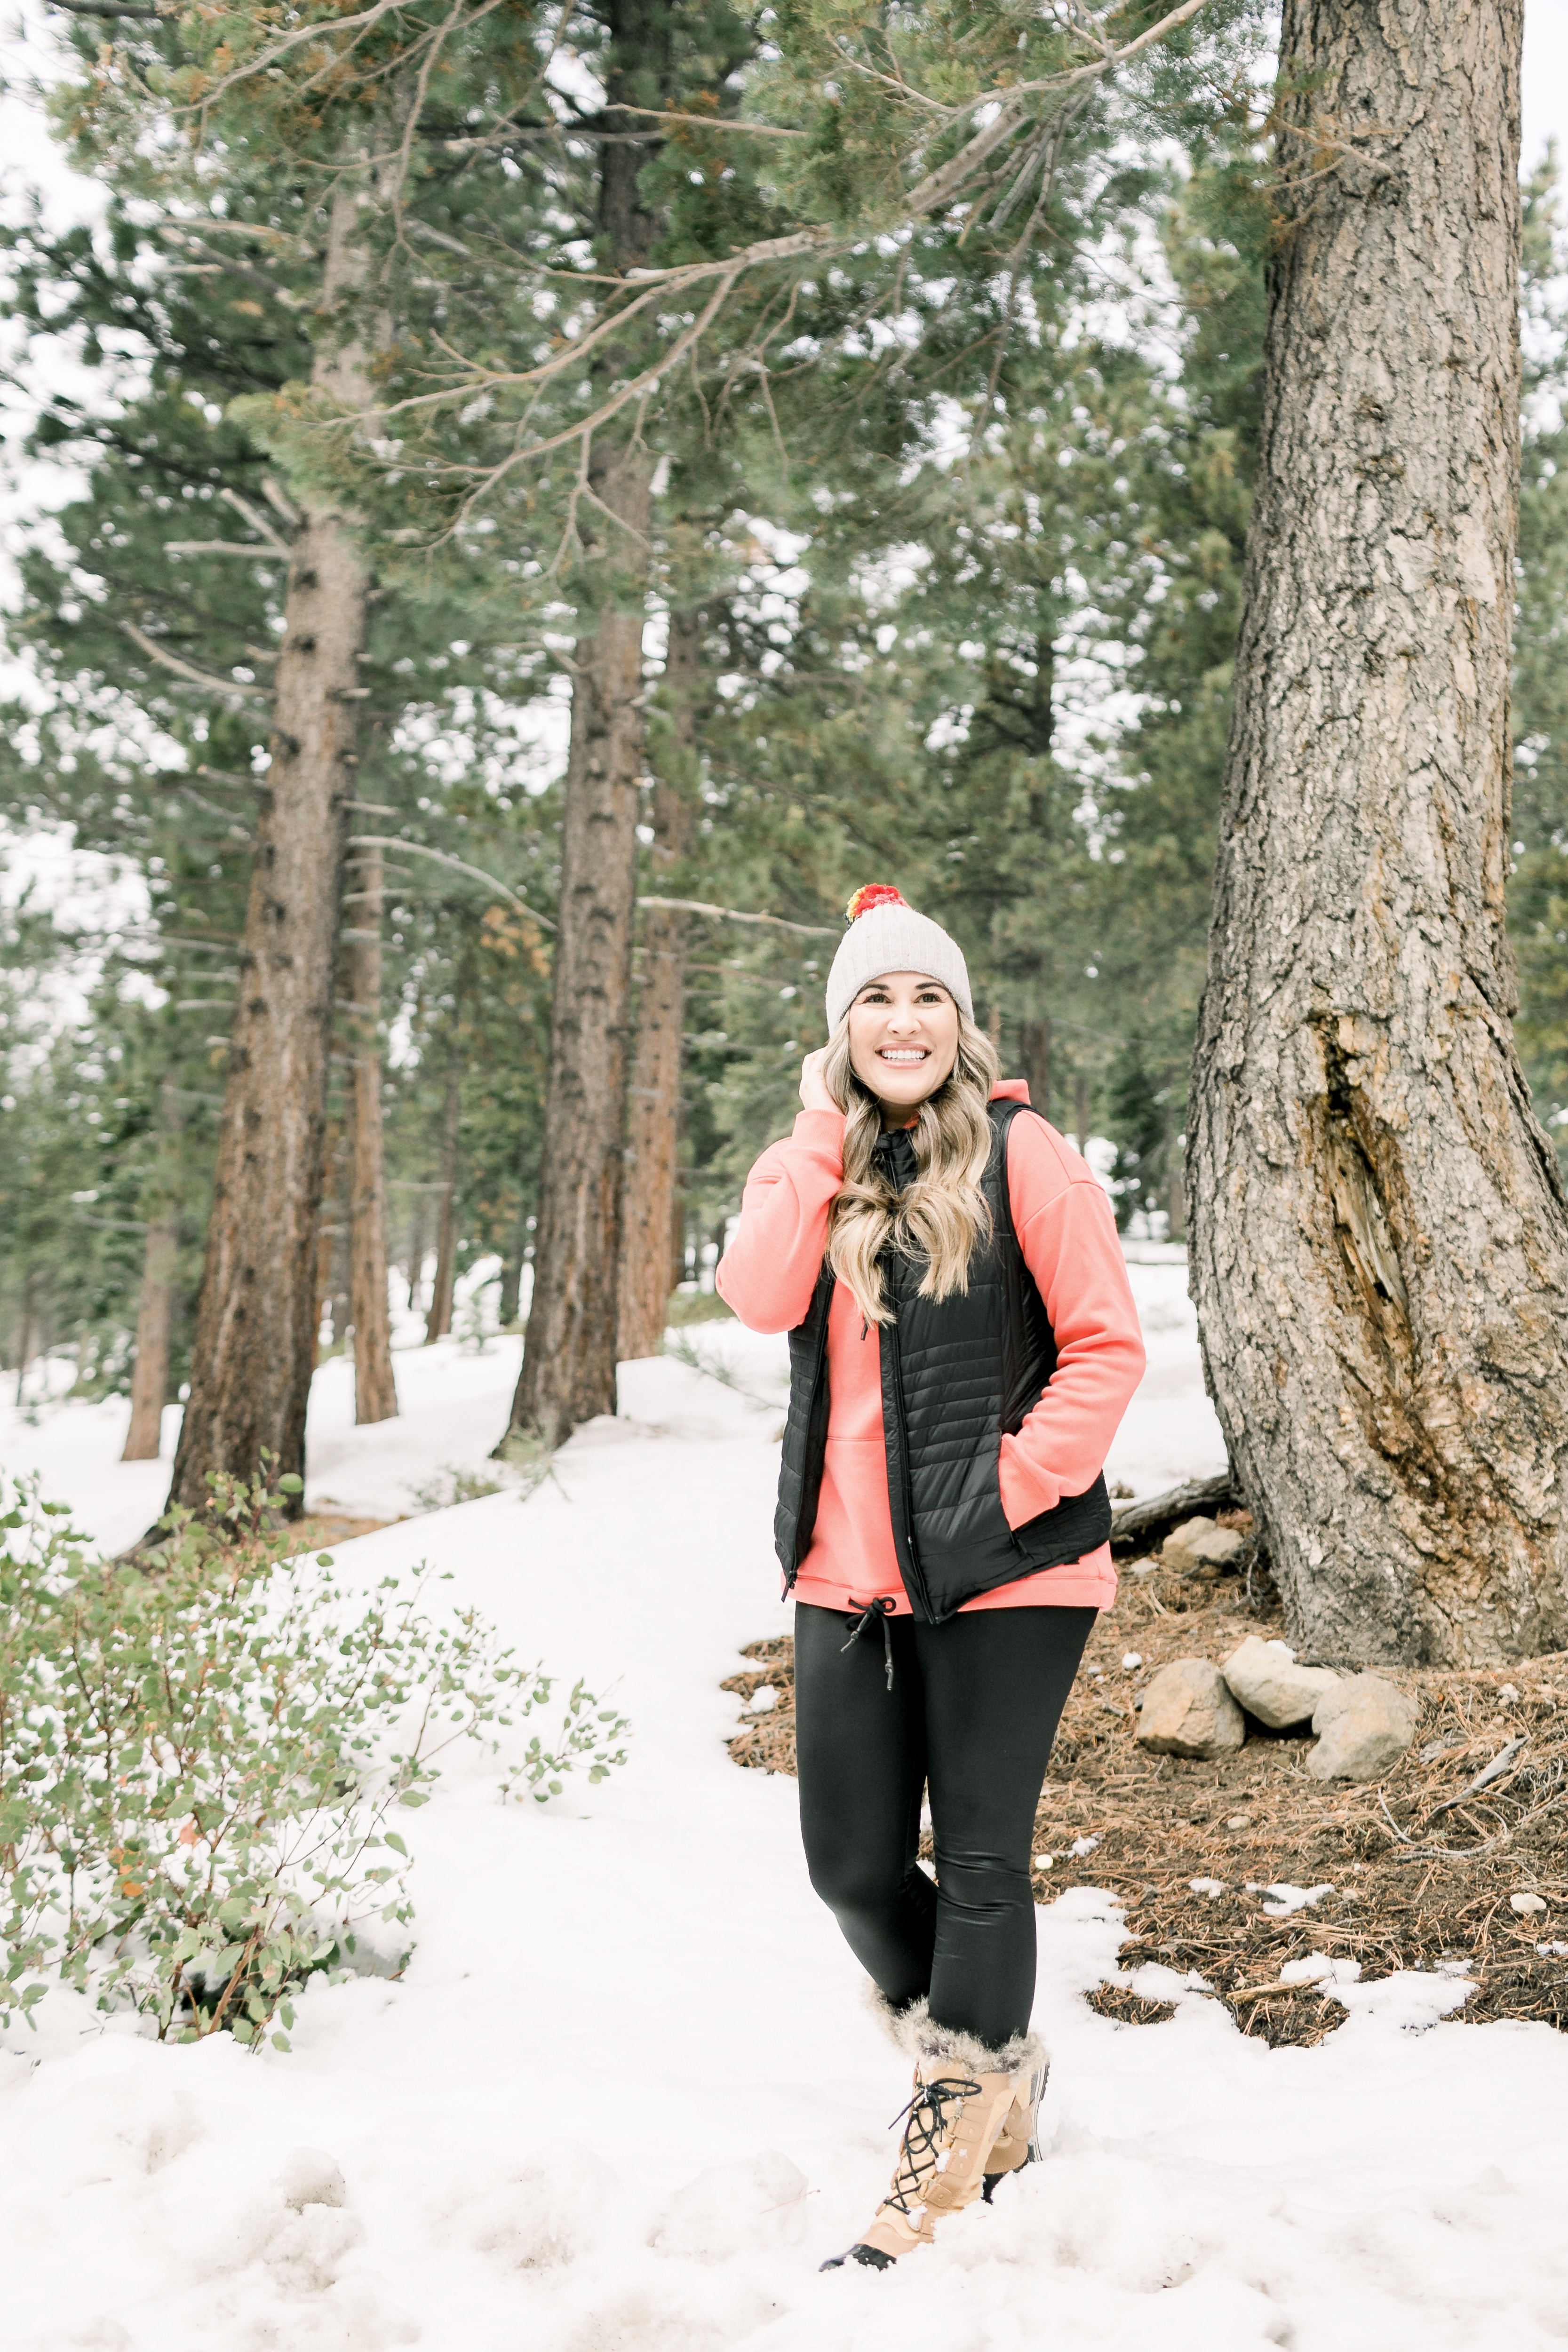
{"points": [[1200, 1543], [1265, 1677], [1365, 1726], [1188, 1710]]}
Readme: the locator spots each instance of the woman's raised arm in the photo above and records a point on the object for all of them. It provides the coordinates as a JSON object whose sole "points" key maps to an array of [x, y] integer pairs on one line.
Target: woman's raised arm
{"points": [[769, 1271]]}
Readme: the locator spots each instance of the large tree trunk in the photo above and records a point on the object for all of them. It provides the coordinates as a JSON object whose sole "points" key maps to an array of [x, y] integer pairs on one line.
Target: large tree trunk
{"points": [[375, 1390], [256, 1318], [653, 1115], [1381, 1248], [569, 1361], [154, 1322]]}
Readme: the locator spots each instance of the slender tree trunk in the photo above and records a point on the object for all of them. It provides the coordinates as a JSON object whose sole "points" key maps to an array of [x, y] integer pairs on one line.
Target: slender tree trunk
{"points": [[1081, 1109], [416, 1255], [1175, 1190], [375, 1390], [154, 1322], [439, 1320], [255, 1342], [1381, 1245], [25, 1340], [1034, 1041], [155, 1310], [653, 1118], [512, 1272], [569, 1363]]}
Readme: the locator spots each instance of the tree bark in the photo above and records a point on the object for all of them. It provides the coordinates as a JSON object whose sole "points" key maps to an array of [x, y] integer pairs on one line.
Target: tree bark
{"points": [[154, 1322], [569, 1361], [1380, 1240], [438, 1322], [370, 1313], [653, 1117], [255, 1341]]}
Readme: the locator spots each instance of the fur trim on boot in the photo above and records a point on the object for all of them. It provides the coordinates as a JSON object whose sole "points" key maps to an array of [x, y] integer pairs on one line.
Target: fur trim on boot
{"points": [[947, 2046], [894, 2023], [966, 2098]]}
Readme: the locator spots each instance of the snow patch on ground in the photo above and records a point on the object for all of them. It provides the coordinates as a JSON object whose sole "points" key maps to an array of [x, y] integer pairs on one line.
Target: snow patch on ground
{"points": [[626, 2097]]}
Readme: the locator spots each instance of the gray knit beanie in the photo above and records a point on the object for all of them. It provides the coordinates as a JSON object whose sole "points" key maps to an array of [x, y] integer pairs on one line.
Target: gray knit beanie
{"points": [[887, 935]]}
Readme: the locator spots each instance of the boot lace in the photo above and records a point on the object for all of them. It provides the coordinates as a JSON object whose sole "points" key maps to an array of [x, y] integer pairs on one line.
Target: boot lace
{"points": [[925, 2133]]}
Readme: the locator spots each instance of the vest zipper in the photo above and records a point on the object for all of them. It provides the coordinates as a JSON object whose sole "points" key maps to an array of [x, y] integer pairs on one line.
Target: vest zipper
{"points": [[891, 1331]]}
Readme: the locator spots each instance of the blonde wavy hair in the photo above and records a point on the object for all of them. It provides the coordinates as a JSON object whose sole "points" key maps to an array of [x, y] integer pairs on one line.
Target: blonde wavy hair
{"points": [[944, 1214]]}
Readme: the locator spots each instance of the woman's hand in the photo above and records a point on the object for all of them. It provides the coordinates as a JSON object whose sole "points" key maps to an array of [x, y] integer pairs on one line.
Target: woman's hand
{"points": [[813, 1093]]}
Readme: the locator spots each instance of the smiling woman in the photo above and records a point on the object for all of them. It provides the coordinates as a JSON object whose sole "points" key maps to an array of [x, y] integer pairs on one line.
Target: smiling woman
{"points": [[963, 1344]]}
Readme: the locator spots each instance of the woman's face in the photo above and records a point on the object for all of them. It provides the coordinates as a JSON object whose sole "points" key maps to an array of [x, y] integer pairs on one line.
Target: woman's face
{"points": [[903, 1040]]}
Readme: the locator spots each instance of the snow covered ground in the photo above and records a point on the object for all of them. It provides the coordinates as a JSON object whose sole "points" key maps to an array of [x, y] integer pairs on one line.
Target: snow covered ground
{"points": [[625, 2097], [455, 1399]]}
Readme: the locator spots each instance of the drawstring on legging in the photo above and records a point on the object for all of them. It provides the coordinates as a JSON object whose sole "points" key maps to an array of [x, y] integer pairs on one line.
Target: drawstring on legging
{"points": [[881, 1608]]}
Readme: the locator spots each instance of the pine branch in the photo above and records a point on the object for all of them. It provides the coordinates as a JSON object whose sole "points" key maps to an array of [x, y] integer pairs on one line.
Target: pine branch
{"points": [[459, 865], [259, 554], [109, 8], [231, 688], [734, 915]]}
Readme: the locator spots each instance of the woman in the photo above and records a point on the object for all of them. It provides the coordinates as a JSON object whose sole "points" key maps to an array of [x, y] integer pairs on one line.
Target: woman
{"points": [[963, 1344]]}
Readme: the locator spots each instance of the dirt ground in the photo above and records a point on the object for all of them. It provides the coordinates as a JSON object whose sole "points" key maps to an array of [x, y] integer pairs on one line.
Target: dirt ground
{"points": [[1415, 1878]]}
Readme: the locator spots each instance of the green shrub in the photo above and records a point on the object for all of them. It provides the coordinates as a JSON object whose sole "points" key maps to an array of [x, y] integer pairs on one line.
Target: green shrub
{"points": [[202, 1755], [451, 1485]]}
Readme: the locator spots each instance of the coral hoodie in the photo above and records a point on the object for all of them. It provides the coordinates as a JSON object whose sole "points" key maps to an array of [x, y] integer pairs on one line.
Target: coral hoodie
{"points": [[1069, 1238]]}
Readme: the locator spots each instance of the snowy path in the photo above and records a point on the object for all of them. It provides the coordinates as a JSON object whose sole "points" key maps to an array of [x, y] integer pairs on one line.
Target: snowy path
{"points": [[625, 2098]]}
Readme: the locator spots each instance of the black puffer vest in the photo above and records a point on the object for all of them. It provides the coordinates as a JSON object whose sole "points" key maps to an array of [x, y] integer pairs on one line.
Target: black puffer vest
{"points": [[957, 1374]]}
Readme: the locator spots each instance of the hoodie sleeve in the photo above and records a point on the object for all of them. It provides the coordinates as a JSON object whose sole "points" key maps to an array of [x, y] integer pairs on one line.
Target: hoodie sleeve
{"points": [[1070, 1245], [769, 1271]]}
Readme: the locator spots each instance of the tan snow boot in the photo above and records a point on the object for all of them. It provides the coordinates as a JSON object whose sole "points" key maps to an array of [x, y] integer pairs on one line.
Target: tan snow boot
{"points": [[1018, 2141], [965, 2095]]}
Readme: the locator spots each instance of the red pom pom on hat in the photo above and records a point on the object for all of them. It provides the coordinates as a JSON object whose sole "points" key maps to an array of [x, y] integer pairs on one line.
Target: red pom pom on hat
{"points": [[872, 895]]}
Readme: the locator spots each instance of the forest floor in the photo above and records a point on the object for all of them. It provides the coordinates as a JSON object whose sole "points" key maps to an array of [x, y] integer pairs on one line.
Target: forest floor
{"points": [[1395, 1875], [626, 2095]]}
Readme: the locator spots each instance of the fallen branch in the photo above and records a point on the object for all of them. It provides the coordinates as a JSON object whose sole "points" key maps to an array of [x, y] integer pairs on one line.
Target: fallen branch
{"points": [[1484, 1778], [1139, 1523], [1261, 1992]]}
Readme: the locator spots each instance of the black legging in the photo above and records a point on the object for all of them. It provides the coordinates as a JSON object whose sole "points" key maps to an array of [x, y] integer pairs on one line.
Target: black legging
{"points": [[974, 1709]]}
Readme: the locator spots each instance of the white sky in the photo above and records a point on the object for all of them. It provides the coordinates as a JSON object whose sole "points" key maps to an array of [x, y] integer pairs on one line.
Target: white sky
{"points": [[1545, 87]]}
